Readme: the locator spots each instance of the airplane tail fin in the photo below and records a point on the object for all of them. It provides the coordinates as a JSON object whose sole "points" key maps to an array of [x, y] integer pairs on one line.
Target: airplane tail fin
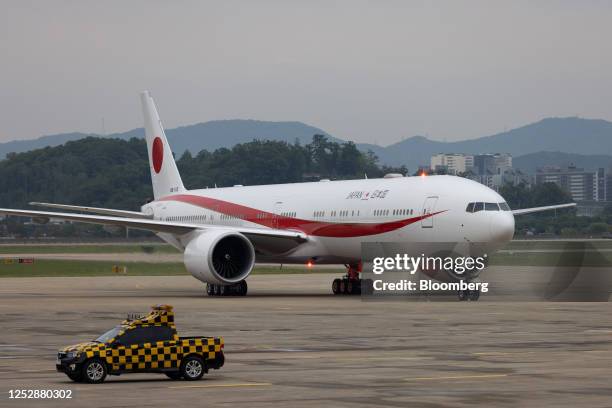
{"points": [[164, 173]]}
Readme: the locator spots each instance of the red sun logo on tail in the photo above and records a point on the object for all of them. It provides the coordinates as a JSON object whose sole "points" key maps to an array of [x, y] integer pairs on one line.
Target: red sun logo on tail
{"points": [[157, 154]]}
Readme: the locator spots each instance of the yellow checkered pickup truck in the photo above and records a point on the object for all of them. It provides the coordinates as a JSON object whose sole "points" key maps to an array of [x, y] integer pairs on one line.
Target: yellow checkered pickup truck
{"points": [[146, 344]]}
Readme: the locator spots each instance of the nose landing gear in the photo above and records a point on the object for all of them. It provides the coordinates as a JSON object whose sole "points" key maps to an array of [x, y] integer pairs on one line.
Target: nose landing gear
{"points": [[472, 295]]}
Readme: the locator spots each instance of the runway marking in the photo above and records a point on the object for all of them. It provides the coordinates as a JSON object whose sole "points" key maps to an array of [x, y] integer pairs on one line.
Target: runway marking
{"points": [[456, 377], [503, 353], [224, 385], [381, 358], [495, 353], [37, 371]]}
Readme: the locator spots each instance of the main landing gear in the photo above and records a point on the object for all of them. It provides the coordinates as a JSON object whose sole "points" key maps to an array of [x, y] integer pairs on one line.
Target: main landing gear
{"points": [[472, 295], [350, 284], [237, 289]]}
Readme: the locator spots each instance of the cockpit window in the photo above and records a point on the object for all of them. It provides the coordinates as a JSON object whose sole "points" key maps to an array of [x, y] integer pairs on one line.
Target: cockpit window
{"points": [[475, 207], [491, 207]]}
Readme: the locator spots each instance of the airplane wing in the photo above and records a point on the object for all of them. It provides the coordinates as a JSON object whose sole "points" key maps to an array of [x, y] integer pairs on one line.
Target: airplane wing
{"points": [[545, 208], [95, 210], [153, 225]]}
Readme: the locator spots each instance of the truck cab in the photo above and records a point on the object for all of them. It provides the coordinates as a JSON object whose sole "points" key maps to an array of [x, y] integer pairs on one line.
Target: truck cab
{"points": [[142, 344]]}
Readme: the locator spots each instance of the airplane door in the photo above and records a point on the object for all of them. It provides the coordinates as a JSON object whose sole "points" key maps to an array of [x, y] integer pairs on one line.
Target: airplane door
{"points": [[429, 207], [278, 208]]}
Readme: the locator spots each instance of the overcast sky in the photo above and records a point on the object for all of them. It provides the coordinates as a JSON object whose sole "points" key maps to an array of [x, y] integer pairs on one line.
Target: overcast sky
{"points": [[367, 71]]}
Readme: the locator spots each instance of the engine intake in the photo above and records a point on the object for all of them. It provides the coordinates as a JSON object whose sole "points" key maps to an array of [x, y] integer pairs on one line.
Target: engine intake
{"points": [[220, 257]]}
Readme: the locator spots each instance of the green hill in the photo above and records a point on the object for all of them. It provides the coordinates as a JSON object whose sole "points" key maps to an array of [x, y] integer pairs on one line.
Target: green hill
{"points": [[114, 173]]}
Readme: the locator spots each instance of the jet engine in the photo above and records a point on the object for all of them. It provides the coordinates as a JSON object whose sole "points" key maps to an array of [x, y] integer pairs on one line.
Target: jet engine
{"points": [[219, 257]]}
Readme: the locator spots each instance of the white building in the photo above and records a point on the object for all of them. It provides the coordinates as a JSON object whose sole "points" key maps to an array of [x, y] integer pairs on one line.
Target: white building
{"points": [[452, 163], [582, 185], [492, 170]]}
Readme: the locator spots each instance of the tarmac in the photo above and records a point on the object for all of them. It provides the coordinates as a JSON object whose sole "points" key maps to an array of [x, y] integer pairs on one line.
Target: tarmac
{"points": [[290, 342]]}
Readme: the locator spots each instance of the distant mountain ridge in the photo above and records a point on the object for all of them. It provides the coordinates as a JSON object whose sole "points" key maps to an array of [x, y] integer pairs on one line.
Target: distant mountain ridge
{"points": [[206, 135], [570, 135], [567, 135], [530, 162]]}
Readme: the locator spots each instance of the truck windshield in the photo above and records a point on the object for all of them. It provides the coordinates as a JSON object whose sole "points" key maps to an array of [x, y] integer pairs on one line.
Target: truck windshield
{"points": [[109, 335]]}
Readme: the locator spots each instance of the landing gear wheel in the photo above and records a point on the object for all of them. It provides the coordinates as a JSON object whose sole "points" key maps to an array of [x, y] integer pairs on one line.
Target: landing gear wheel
{"points": [[342, 286], [350, 284], [192, 368], [346, 286], [367, 286], [237, 289], [473, 295], [350, 287], [173, 375], [94, 371], [336, 286], [242, 288], [462, 295]]}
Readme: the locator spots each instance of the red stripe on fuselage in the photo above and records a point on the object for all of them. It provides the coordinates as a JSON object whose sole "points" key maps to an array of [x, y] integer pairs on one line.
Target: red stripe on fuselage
{"points": [[315, 228]]}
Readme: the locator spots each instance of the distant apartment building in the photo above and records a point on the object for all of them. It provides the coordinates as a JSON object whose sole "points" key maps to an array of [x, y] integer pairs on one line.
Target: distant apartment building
{"points": [[601, 184], [608, 184], [491, 164], [451, 163], [580, 184], [492, 170]]}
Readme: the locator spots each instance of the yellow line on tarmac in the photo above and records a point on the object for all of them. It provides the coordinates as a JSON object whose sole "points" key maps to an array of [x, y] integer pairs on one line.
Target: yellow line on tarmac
{"points": [[456, 377], [224, 385]]}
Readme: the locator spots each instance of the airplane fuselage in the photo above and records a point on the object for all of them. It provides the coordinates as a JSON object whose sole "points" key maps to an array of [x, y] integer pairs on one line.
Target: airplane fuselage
{"points": [[338, 216]]}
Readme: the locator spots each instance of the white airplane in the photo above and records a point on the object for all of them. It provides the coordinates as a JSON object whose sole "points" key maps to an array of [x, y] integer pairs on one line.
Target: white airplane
{"points": [[224, 231]]}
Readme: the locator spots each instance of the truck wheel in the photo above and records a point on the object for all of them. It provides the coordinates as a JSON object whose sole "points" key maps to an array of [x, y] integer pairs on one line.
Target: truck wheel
{"points": [[76, 377], [192, 368], [173, 375], [94, 371]]}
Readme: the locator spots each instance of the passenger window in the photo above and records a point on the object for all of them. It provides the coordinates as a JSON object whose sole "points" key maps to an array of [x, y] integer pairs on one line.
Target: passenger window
{"points": [[478, 207], [491, 207], [470, 207]]}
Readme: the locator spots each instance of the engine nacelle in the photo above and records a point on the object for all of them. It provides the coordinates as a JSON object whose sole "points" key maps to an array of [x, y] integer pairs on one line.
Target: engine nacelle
{"points": [[220, 257]]}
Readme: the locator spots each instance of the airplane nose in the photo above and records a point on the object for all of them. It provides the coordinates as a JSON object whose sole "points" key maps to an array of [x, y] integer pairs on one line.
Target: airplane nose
{"points": [[502, 227]]}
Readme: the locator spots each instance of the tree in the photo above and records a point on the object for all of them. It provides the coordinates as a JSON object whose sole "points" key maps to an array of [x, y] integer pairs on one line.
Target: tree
{"points": [[598, 228]]}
